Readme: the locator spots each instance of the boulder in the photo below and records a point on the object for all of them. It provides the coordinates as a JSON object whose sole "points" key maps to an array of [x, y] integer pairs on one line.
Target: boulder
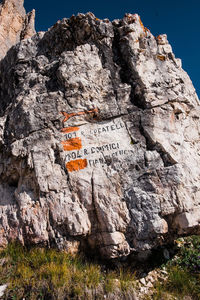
{"points": [[99, 139]]}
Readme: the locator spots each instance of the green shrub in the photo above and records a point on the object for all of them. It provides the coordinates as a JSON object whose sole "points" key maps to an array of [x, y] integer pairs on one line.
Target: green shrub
{"points": [[189, 255], [183, 272]]}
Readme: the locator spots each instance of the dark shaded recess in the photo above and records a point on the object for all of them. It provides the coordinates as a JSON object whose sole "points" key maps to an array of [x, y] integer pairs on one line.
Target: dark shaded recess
{"points": [[6, 133], [126, 74], [137, 263], [63, 36], [56, 40], [6, 90], [155, 259], [11, 133], [58, 159], [13, 180], [53, 84], [11, 176], [7, 82]]}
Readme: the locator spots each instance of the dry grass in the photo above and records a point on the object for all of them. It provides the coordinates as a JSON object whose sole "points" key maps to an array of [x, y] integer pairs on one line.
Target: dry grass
{"points": [[49, 274]]}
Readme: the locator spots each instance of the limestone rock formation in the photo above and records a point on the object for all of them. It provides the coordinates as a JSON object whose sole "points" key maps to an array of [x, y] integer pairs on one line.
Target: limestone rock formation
{"points": [[14, 24], [99, 139]]}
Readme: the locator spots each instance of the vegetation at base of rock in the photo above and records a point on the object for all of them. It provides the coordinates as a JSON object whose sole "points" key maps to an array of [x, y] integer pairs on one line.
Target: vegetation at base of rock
{"points": [[183, 272], [189, 255], [40, 273], [180, 283]]}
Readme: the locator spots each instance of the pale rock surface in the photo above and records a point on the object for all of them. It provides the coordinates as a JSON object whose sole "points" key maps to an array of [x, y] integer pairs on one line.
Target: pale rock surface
{"points": [[2, 289], [14, 24], [99, 139]]}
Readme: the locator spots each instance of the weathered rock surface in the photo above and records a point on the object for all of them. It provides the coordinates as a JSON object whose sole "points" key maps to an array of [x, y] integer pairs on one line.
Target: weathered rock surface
{"points": [[14, 24], [99, 139]]}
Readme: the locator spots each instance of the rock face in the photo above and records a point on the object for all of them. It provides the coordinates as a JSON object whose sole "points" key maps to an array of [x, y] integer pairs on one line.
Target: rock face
{"points": [[14, 24], [99, 139]]}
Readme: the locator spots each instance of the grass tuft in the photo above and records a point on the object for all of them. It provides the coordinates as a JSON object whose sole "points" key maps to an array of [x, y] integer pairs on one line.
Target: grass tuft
{"points": [[41, 273]]}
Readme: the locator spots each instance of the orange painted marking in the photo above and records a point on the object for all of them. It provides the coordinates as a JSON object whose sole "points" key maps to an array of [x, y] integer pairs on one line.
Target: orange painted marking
{"points": [[76, 165], [67, 116], [72, 144], [69, 129]]}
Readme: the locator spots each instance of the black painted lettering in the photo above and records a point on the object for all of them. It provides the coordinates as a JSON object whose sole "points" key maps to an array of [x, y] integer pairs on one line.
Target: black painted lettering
{"points": [[99, 149], [69, 136], [101, 160], [73, 155], [112, 127], [107, 128], [90, 162], [114, 153], [85, 152], [68, 156], [78, 154]]}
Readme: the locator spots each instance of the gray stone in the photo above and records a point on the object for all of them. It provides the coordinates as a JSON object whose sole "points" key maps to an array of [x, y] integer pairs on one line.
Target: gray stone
{"points": [[99, 139], [166, 254], [143, 281], [2, 289]]}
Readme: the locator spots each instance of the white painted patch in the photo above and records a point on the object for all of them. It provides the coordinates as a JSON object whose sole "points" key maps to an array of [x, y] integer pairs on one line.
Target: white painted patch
{"points": [[100, 142]]}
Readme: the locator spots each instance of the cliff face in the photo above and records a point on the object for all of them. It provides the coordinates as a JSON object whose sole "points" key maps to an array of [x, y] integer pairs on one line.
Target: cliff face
{"points": [[14, 24], [99, 139]]}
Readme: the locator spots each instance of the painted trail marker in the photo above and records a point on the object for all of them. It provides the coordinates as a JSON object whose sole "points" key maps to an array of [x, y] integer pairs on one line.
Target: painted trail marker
{"points": [[92, 144]]}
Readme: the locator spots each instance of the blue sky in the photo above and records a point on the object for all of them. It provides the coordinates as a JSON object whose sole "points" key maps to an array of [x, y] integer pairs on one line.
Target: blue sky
{"points": [[180, 20]]}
